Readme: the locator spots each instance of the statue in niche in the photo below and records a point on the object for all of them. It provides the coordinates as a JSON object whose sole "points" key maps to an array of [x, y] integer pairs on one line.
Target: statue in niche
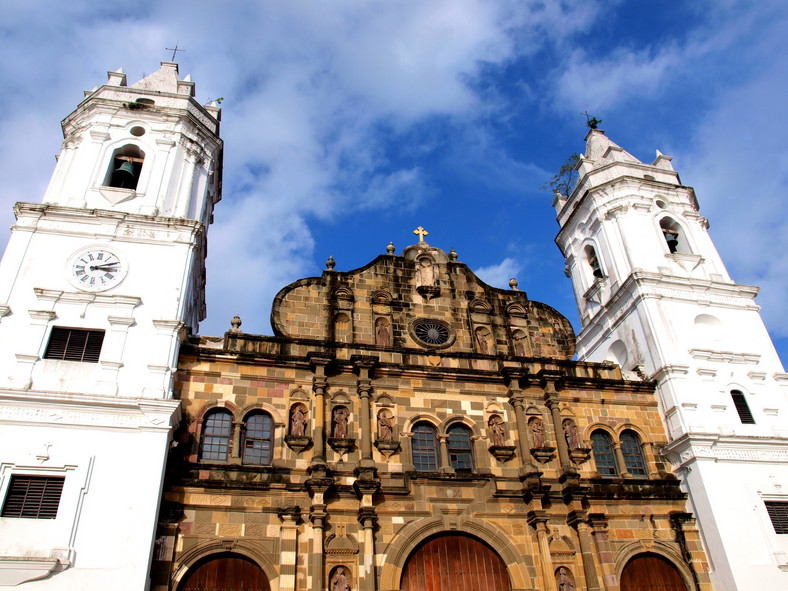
{"points": [[340, 422], [537, 432], [481, 338], [382, 333], [339, 582], [570, 433], [498, 434], [564, 582], [426, 272], [297, 422], [385, 426], [519, 343]]}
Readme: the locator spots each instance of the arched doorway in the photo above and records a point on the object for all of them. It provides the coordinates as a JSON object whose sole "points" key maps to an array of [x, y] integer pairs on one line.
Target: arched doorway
{"points": [[225, 572], [454, 563], [651, 572]]}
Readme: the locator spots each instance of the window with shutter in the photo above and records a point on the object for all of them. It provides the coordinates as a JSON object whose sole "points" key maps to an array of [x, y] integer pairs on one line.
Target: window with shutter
{"points": [[740, 402], [74, 344], [778, 513], [33, 497]]}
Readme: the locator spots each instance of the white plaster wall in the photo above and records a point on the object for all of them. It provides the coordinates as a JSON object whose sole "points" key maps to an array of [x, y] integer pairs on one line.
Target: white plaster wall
{"points": [[107, 514]]}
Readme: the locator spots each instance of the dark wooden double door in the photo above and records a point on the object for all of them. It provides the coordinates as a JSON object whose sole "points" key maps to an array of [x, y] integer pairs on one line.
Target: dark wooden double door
{"points": [[454, 563], [225, 572], [651, 572]]}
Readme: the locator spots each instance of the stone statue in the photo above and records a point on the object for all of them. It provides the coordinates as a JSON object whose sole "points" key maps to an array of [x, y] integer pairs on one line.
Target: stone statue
{"points": [[537, 432], [498, 434], [385, 427], [339, 582], [340, 423], [481, 338], [426, 272], [564, 582], [570, 433], [519, 344], [297, 422], [382, 333]]}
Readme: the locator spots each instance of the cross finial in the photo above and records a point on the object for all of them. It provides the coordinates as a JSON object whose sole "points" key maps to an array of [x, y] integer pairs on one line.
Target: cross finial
{"points": [[421, 233], [174, 50]]}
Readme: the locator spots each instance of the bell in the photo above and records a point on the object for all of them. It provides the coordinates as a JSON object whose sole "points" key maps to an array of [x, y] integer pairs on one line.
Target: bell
{"points": [[672, 240], [124, 177]]}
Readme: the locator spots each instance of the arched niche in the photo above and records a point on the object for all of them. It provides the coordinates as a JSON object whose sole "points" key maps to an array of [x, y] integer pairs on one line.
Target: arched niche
{"points": [[617, 353]]}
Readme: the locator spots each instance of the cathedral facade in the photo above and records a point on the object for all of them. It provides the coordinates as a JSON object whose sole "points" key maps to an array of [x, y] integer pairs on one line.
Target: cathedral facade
{"points": [[409, 427]]}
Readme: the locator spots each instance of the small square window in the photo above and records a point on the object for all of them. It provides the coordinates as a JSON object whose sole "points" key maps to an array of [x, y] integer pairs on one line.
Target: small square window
{"points": [[33, 497], [778, 513], [74, 344]]}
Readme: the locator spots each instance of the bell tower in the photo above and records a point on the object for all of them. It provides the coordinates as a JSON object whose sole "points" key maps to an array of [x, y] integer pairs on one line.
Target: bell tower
{"points": [[654, 296], [99, 285]]}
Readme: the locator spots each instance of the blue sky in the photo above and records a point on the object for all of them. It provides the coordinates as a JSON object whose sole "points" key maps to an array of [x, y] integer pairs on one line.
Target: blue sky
{"points": [[347, 124]]}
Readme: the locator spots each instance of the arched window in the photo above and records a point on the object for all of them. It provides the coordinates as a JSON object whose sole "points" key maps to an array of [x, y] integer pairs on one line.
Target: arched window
{"points": [[125, 167], [593, 261], [740, 402], [674, 236], [604, 456], [258, 435], [424, 446], [217, 430], [459, 444], [633, 453]]}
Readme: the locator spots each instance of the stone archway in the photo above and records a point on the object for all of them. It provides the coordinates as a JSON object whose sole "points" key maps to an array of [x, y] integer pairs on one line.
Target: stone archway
{"points": [[224, 571], [651, 572], [454, 561]]}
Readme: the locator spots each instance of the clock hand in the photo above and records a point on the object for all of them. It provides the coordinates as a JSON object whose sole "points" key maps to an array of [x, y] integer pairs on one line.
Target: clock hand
{"points": [[107, 267]]}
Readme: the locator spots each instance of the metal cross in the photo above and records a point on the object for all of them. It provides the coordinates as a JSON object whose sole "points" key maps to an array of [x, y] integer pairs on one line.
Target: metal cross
{"points": [[421, 233], [174, 50]]}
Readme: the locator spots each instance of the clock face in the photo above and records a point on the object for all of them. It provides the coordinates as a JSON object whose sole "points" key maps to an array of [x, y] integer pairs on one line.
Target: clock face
{"points": [[96, 269]]}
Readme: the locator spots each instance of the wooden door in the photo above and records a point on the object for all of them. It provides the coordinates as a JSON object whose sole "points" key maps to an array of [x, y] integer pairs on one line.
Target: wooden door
{"points": [[454, 563], [225, 572], [651, 572]]}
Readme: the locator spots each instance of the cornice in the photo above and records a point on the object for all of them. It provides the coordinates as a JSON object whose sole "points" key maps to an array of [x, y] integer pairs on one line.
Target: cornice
{"points": [[721, 448]]}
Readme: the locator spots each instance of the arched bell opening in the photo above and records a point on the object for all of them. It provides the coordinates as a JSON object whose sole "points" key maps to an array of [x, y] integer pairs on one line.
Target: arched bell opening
{"points": [[225, 570], [674, 236], [125, 167], [651, 572], [449, 561]]}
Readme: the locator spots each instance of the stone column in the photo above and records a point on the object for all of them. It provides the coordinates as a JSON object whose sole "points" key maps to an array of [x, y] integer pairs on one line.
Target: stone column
{"points": [[319, 385], [235, 453], [604, 550], [551, 401], [445, 467], [364, 390], [367, 518], [317, 517], [622, 465], [577, 520], [524, 447], [538, 520], [288, 548]]}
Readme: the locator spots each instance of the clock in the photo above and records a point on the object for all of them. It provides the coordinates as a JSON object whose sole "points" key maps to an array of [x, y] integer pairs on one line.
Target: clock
{"points": [[96, 268]]}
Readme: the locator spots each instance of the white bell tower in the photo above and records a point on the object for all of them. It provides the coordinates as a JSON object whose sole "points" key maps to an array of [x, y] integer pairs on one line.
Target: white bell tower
{"points": [[99, 285], [654, 296]]}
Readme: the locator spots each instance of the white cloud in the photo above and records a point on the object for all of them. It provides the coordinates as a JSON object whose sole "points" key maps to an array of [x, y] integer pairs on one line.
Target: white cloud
{"points": [[499, 275]]}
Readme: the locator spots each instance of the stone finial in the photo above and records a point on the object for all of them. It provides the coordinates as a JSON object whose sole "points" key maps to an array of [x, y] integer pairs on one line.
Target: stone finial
{"points": [[390, 248], [453, 255], [330, 263], [236, 324], [513, 283]]}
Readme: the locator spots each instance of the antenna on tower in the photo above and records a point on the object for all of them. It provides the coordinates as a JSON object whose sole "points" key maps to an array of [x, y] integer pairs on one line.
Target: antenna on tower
{"points": [[174, 50]]}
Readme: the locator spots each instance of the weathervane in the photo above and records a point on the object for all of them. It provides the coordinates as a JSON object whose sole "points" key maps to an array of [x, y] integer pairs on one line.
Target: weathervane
{"points": [[592, 122], [421, 233], [174, 50]]}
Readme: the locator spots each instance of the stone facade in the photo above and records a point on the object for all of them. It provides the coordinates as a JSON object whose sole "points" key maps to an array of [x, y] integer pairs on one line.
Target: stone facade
{"points": [[364, 368]]}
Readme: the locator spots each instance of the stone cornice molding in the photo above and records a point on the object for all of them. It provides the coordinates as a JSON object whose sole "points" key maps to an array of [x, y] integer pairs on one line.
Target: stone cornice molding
{"points": [[719, 448], [80, 297], [26, 407], [725, 356]]}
